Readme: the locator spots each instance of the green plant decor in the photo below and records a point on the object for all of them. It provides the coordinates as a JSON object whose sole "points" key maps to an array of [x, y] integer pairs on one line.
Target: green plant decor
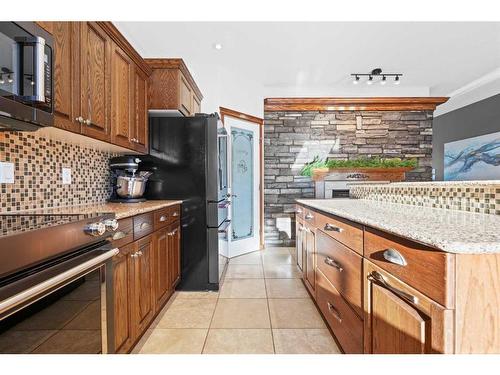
{"points": [[374, 162]]}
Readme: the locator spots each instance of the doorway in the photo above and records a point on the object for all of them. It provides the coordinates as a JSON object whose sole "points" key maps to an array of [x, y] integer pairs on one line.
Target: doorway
{"points": [[245, 188]]}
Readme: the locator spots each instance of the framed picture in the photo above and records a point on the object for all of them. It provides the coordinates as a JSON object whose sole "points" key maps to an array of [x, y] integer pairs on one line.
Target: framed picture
{"points": [[476, 158]]}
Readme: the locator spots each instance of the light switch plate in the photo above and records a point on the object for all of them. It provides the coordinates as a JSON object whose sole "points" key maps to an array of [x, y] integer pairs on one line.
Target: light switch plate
{"points": [[6, 173], [66, 176]]}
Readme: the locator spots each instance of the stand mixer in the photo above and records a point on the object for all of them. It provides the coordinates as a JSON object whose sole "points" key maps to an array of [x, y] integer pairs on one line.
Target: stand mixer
{"points": [[128, 184]]}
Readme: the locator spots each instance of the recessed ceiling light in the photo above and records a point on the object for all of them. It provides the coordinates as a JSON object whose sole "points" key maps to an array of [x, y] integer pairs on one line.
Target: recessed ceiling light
{"points": [[218, 46]]}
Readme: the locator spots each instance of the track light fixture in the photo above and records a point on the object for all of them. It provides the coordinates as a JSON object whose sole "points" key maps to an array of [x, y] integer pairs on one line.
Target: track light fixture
{"points": [[375, 73]]}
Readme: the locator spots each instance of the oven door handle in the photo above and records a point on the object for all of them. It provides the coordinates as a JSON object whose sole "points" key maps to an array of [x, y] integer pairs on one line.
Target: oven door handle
{"points": [[39, 289]]}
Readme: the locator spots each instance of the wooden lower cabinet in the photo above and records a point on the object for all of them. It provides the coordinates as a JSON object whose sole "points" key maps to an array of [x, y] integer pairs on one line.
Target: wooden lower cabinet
{"points": [[143, 306], [123, 277], [145, 274], [400, 320]]}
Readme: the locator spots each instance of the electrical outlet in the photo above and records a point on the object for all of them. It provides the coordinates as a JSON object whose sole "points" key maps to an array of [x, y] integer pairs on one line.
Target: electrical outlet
{"points": [[6, 173], [66, 176]]}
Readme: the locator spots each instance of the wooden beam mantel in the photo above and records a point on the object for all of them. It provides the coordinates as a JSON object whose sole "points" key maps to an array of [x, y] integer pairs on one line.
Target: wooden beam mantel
{"points": [[354, 104]]}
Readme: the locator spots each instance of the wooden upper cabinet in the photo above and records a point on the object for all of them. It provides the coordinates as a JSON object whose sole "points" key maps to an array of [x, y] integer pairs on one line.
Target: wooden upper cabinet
{"points": [[48, 26], [172, 87], [95, 80], [122, 96], [140, 127], [66, 75]]}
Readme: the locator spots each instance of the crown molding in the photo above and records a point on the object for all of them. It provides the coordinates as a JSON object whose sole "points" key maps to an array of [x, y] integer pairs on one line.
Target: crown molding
{"points": [[354, 104]]}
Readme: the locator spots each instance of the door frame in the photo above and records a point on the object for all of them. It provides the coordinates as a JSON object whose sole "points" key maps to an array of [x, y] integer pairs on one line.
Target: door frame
{"points": [[226, 112]]}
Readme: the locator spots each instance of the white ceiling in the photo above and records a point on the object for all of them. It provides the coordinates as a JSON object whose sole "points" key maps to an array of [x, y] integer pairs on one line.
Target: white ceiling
{"points": [[316, 58]]}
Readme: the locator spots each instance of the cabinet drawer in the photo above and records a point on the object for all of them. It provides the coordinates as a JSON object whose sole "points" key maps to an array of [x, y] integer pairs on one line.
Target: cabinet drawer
{"points": [[344, 231], [143, 225], [426, 269], [345, 324], [166, 216], [124, 233], [342, 267], [299, 211]]}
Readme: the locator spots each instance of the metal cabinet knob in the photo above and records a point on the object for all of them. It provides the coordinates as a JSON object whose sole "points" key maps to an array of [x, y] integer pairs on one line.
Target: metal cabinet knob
{"points": [[88, 122], [309, 216], [134, 255], [79, 119], [163, 218]]}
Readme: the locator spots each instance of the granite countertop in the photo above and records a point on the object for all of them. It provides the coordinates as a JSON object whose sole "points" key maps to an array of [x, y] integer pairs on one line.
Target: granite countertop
{"points": [[464, 184], [452, 231], [121, 210]]}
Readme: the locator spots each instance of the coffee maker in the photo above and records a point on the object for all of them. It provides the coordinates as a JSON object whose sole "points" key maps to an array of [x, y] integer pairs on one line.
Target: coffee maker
{"points": [[128, 184]]}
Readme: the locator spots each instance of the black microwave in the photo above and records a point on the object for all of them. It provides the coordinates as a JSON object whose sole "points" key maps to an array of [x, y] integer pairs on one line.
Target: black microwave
{"points": [[26, 82]]}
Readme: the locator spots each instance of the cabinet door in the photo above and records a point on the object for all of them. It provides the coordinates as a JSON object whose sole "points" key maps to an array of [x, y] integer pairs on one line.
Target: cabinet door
{"points": [[122, 72], [161, 268], [140, 134], [175, 254], [400, 320], [310, 244], [66, 75], [143, 285], [95, 77], [185, 96], [299, 234], [196, 105], [122, 299]]}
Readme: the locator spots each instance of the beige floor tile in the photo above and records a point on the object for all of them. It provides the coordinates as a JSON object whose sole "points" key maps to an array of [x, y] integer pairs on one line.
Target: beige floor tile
{"points": [[196, 295], [271, 258], [250, 258], [278, 250], [187, 313], [304, 341], [244, 271], [281, 271], [239, 341], [22, 342], [172, 341], [294, 313], [243, 288], [241, 313], [72, 341], [286, 288]]}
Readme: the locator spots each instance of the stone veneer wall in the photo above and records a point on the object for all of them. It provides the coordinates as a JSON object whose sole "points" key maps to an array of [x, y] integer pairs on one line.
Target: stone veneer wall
{"points": [[293, 139], [38, 162]]}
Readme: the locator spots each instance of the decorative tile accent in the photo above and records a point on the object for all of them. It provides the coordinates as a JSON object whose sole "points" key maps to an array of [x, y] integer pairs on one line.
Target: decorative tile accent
{"points": [[479, 198], [38, 163]]}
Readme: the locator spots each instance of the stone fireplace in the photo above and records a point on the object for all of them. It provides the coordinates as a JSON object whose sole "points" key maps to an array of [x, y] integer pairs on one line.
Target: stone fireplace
{"points": [[295, 133]]}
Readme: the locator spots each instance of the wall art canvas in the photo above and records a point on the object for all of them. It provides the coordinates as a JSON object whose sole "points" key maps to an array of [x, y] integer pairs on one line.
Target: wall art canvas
{"points": [[476, 158]]}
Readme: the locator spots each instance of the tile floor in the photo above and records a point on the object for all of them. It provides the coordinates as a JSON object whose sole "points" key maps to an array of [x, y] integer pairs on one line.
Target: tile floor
{"points": [[261, 308]]}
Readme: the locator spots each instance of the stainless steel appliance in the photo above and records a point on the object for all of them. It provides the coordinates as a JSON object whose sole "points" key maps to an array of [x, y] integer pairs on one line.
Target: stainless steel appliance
{"points": [[188, 156], [26, 82], [128, 184], [55, 283]]}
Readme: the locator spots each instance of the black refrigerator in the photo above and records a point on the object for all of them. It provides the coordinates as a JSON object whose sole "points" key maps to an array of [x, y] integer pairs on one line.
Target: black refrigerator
{"points": [[188, 158]]}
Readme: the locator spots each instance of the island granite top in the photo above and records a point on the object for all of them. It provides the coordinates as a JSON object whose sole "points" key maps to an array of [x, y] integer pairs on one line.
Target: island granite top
{"points": [[452, 231]]}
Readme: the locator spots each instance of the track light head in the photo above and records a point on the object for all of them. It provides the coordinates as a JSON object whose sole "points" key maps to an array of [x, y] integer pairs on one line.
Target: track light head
{"points": [[370, 80], [383, 81], [356, 80], [397, 81]]}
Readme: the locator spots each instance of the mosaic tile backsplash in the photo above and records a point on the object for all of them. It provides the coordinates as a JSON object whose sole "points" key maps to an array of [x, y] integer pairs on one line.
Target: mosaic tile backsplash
{"points": [[479, 197], [38, 162]]}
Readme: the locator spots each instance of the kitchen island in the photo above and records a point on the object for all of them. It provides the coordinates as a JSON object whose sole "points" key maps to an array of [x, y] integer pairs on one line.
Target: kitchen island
{"points": [[401, 278]]}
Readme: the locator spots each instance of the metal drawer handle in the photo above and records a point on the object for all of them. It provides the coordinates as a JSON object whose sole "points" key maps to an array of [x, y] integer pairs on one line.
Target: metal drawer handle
{"points": [[377, 278], [298, 210], [394, 256], [175, 214], [163, 218], [335, 312], [309, 216], [333, 228], [119, 235], [333, 263], [144, 225]]}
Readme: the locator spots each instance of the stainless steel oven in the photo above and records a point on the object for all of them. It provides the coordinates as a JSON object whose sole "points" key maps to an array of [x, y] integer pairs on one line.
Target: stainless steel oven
{"points": [[56, 284], [26, 82]]}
